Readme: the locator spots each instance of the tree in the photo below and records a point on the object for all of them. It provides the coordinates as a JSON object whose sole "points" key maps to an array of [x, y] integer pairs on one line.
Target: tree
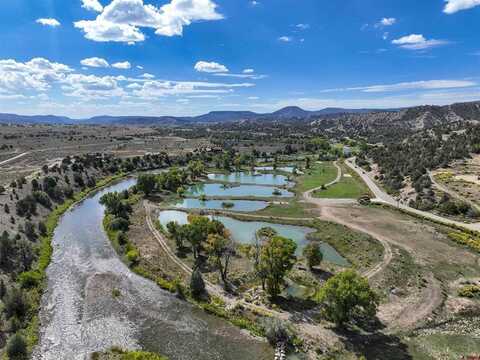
{"points": [[30, 231], [347, 295], [220, 249], [146, 183], [42, 228], [17, 348], [2, 189], [313, 254], [197, 285], [277, 258]]}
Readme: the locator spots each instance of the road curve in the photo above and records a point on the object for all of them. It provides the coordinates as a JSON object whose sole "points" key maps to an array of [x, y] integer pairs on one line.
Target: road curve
{"points": [[323, 204], [383, 198], [4, 162]]}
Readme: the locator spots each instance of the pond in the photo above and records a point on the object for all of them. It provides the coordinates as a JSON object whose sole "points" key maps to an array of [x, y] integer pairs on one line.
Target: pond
{"points": [[287, 169], [252, 178], [80, 315], [220, 190], [238, 205], [244, 232]]}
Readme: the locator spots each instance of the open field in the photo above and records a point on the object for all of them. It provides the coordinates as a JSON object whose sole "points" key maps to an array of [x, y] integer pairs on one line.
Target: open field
{"points": [[47, 145], [320, 174], [350, 186]]}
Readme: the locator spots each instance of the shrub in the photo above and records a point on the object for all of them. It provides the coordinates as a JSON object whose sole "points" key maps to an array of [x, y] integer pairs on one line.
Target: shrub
{"points": [[29, 279], [470, 291], [132, 256], [277, 331], [197, 285], [17, 348]]}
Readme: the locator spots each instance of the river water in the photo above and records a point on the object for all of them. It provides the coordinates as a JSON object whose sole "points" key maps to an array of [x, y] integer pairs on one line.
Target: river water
{"points": [[80, 315]]}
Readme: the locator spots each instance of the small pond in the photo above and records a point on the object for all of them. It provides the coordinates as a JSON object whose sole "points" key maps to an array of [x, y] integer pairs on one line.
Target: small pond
{"points": [[287, 169], [221, 190], [244, 232], [238, 205], [252, 178]]}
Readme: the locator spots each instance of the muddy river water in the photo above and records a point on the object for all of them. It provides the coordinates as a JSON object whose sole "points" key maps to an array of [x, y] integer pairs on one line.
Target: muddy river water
{"points": [[80, 313]]}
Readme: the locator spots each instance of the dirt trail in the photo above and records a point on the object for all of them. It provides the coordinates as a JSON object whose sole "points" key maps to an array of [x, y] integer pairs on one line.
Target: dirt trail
{"points": [[403, 314], [327, 214]]}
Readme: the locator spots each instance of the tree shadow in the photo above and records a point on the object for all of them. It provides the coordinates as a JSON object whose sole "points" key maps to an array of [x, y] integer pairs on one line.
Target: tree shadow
{"points": [[374, 345]]}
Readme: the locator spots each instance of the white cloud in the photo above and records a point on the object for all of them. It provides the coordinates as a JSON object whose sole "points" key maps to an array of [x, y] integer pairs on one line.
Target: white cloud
{"points": [[122, 65], [48, 22], [418, 42], [88, 87], [386, 22], [303, 26], [38, 75], [285, 38], [414, 85], [93, 5], [139, 67], [95, 62], [122, 20], [248, 71], [161, 88], [210, 67], [454, 6], [148, 76], [253, 98], [242, 76], [254, 3]]}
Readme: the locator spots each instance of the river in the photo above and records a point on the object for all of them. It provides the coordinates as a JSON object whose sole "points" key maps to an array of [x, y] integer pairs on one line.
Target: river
{"points": [[80, 313]]}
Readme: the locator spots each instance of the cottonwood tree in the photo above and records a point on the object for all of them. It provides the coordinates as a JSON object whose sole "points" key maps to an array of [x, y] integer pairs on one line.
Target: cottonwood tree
{"points": [[313, 254], [146, 183], [220, 248], [345, 296], [277, 257]]}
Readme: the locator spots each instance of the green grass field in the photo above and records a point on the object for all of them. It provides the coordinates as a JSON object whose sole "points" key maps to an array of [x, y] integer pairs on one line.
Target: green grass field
{"points": [[318, 175], [293, 209], [347, 188]]}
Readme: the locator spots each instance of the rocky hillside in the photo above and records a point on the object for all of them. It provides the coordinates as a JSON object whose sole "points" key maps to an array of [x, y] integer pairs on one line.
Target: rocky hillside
{"points": [[400, 122]]}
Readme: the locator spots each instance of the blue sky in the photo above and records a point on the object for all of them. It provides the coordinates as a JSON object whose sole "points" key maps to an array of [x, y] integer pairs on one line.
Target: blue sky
{"points": [[184, 57]]}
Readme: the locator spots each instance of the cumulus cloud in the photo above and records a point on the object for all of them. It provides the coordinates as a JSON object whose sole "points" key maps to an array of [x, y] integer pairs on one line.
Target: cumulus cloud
{"points": [[302, 26], [418, 42], [88, 87], [386, 22], [161, 88], [38, 74], [93, 5], [453, 6], [95, 62], [122, 65], [285, 38], [210, 67], [148, 76], [122, 20], [248, 71], [48, 22], [414, 85]]}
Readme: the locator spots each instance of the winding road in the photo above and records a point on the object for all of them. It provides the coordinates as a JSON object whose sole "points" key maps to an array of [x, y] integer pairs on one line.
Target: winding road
{"points": [[382, 197], [323, 205], [4, 162]]}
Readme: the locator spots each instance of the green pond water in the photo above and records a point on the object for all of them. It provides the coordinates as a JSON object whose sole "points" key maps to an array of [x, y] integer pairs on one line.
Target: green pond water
{"points": [[252, 178], [244, 232], [288, 169], [238, 205], [236, 191]]}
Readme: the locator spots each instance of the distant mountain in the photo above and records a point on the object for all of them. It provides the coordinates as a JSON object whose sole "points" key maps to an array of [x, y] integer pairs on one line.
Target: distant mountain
{"points": [[289, 112], [415, 117], [39, 119]]}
